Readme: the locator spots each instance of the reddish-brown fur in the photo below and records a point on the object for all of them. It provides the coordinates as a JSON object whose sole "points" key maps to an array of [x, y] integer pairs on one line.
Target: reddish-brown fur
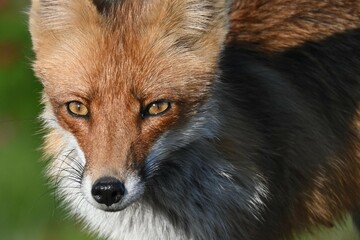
{"points": [[276, 25]]}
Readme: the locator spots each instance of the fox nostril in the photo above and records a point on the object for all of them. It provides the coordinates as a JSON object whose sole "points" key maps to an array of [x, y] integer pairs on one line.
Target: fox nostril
{"points": [[108, 191]]}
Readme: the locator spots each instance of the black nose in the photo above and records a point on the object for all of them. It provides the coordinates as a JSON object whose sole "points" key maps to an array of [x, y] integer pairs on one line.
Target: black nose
{"points": [[108, 190]]}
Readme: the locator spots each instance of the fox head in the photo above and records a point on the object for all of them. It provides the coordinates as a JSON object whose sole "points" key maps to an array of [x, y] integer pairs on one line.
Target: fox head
{"points": [[126, 82]]}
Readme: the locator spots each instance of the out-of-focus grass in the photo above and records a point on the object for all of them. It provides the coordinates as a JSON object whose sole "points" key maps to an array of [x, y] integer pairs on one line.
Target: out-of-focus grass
{"points": [[27, 209], [343, 231]]}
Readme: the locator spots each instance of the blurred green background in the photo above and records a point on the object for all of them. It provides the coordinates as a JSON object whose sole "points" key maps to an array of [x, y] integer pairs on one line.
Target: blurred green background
{"points": [[27, 209]]}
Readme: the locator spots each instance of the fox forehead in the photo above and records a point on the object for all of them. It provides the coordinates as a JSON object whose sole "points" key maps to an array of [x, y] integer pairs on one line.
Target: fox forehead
{"points": [[98, 63], [94, 70]]}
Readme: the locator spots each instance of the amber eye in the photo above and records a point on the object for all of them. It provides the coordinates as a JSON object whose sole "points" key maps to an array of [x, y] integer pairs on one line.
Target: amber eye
{"points": [[156, 108], [77, 109]]}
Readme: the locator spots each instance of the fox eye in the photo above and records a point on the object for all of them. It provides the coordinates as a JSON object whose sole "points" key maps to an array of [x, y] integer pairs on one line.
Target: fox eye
{"points": [[77, 109], [156, 108]]}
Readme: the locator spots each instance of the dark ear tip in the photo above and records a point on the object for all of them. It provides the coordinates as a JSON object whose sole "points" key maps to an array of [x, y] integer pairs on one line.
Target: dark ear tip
{"points": [[103, 6]]}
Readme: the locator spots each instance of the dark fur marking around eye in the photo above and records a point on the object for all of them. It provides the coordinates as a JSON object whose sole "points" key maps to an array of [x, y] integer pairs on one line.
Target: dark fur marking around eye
{"points": [[103, 6]]}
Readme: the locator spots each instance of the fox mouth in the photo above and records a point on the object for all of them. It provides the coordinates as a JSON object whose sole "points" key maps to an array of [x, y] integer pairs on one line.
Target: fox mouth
{"points": [[110, 195], [112, 208]]}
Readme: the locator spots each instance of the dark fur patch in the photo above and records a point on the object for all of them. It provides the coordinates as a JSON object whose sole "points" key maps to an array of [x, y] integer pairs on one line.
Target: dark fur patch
{"points": [[103, 6]]}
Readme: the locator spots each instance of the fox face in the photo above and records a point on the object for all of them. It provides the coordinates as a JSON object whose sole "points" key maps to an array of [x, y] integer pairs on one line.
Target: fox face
{"points": [[124, 83]]}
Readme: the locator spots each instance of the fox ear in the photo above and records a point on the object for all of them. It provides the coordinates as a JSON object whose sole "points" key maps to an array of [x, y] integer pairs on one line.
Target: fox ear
{"points": [[203, 24], [203, 15], [50, 19]]}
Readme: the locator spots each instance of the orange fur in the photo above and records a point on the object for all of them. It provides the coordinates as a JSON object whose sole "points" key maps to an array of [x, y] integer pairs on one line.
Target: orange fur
{"points": [[277, 25]]}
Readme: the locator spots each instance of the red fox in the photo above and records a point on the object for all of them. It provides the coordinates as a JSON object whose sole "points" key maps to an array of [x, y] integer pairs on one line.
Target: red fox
{"points": [[201, 119]]}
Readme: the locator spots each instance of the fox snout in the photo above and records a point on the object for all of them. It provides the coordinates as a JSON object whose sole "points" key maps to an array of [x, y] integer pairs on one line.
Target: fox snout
{"points": [[110, 193]]}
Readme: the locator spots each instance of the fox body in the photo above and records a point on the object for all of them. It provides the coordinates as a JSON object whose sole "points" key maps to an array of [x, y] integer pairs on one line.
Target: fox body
{"points": [[201, 119]]}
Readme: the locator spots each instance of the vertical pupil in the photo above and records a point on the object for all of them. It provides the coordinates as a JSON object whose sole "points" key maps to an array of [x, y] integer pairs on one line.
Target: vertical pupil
{"points": [[78, 109], [158, 107]]}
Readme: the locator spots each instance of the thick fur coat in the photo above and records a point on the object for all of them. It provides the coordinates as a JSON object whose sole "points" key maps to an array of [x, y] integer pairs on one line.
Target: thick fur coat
{"points": [[262, 137]]}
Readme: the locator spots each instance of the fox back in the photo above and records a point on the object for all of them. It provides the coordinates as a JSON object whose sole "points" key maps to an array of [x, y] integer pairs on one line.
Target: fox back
{"points": [[201, 119]]}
